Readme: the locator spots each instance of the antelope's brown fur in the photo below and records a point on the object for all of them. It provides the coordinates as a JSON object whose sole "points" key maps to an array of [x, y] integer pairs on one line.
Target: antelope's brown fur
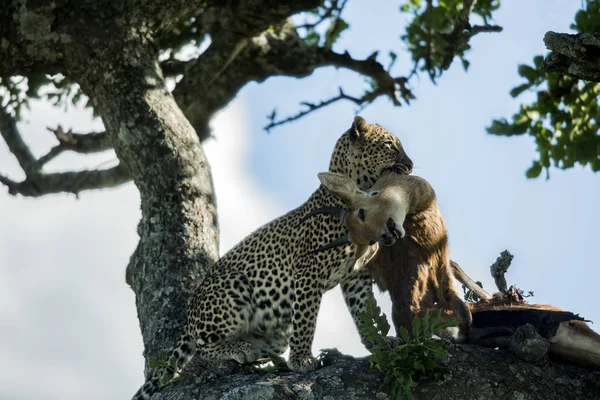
{"points": [[415, 269]]}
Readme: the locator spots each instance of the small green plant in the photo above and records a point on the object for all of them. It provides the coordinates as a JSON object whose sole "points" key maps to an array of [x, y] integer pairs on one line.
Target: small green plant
{"points": [[470, 296], [416, 358], [272, 363], [162, 362]]}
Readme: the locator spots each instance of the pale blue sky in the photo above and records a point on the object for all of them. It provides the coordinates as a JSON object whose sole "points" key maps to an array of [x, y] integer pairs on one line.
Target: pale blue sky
{"points": [[489, 204], [68, 319]]}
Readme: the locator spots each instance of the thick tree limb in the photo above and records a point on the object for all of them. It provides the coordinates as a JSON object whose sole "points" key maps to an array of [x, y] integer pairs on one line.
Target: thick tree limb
{"points": [[574, 55], [15, 143], [275, 53], [40, 184]]}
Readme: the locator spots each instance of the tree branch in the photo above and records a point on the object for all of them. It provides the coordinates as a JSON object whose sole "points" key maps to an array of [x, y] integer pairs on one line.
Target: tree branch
{"points": [[38, 183], [499, 268], [463, 32], [70, 182], [573, 55], [469, 283], [92, 142], [279, 52], [15, 143]]}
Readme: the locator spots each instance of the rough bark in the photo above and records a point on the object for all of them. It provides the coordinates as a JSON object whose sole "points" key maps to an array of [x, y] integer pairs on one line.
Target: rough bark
{"points": [[573, 55], [473, 373], [178, 231]]}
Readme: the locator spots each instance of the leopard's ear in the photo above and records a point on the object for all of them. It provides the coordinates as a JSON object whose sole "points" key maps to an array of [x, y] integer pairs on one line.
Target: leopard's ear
{"points": [[340, 185], [359, 128]]}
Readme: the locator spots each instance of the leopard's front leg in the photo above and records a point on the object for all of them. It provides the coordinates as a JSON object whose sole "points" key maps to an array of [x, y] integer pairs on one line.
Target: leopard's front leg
{"points": [[308, 293], [355, 291]]}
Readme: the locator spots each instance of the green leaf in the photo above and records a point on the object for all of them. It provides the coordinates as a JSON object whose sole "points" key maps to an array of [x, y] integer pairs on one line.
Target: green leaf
{"points": [[335, 30], [528, 72], [465, 64], [416, 326], [534, 171], [499, 127], [519, 89], [404, 334]]}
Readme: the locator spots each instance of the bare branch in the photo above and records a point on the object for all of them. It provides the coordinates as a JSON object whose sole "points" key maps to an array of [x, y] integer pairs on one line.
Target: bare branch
{"points": [[466, 280], [362, 101], [14, 140], [499, 268], [71, 182], [78, 142], [385, 84]]}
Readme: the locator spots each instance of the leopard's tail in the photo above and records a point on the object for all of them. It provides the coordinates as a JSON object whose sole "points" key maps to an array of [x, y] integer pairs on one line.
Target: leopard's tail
{"points": [[178, 358]]}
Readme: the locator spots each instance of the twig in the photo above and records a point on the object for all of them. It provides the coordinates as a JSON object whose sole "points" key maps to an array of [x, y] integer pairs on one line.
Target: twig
{"points": [[466, 280], [81, 143], [329, 12], [311, 107], [463, 32], [385, 85], [499, 268]]}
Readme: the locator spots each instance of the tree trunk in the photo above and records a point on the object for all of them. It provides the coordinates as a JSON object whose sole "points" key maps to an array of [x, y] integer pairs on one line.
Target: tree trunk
{"points": [[152, 138]]}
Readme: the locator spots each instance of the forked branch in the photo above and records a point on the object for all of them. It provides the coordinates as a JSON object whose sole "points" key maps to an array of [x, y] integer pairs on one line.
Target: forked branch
{"points": [[78, 142], [38, 183]]}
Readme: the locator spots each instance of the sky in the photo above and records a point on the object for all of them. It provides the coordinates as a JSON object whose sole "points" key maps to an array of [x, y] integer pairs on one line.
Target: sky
{"points": [[67, 317]]}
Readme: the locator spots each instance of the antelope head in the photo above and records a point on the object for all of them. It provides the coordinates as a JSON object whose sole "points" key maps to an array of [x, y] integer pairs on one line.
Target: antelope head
{"points": [[371, 217]]}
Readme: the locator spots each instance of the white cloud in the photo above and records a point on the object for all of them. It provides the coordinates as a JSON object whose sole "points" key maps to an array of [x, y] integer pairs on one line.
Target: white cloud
{"points": [[243, 205]]}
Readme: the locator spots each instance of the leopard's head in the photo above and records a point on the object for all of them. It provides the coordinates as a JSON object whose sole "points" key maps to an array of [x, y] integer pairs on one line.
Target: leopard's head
{"points": [[365, 151]]}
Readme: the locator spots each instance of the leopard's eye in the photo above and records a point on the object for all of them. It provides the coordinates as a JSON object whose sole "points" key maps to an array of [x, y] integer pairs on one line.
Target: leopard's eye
{"points": [[390, 145], [373, 194], [361, 214]]}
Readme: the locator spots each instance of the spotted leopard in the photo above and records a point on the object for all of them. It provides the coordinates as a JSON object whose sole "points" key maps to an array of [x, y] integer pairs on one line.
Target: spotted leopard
{"points": [[264, 294]]}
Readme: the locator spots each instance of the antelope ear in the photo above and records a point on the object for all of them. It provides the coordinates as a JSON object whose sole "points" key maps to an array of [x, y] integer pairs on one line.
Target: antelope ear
{"points": [[359, 128], [364, 254], [339, 185]]}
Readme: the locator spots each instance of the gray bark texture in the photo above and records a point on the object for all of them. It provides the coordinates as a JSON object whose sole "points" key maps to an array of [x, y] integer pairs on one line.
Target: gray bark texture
{"points": [[473, 373], [108, 49], [573, 55]]}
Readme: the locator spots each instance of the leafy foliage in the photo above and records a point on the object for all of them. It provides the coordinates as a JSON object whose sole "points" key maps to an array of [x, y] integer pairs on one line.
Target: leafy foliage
{"points": [[162, 362], [416, 358], [564, 117], [432, 21], [324, 24]]}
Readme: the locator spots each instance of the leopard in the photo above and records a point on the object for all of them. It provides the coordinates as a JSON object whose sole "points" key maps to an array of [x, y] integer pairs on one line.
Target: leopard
{"points": [[264, 294]]}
